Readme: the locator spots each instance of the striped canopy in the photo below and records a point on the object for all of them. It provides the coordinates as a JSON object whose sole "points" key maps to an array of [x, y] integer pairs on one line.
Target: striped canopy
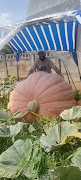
{"points": [[47, 36], [56, 32]]}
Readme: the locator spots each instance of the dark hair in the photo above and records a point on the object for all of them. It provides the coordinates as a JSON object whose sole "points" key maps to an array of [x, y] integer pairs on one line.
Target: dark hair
{"points": [[41, 52]]}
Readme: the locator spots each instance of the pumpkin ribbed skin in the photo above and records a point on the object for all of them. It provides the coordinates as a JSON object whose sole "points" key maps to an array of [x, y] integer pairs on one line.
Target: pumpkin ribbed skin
{"points": [[50, 90]]}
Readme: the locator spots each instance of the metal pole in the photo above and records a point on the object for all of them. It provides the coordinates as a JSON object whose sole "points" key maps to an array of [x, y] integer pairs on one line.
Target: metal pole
{"points": [[34, 59], [17, 55], [79, 73], [17, 71], [6, 65]]}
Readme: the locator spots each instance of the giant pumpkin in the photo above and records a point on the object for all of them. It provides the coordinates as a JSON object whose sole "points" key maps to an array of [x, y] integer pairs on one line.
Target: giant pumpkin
{"points": [[50, 91]]}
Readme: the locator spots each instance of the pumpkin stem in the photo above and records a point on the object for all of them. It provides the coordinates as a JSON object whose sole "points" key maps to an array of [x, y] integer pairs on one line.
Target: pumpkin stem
{"points": [[32, 106], [38, 115]]}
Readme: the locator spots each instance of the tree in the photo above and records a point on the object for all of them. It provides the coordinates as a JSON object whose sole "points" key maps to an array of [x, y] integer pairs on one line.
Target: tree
{"points": [[6, 49]]}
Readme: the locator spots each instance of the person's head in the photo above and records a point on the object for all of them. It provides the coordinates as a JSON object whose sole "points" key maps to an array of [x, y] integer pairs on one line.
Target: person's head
{"points": [[41, 55]]}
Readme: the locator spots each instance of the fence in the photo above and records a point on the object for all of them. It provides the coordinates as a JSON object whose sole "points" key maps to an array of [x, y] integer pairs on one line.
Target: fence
{"points": [[8, 66]]}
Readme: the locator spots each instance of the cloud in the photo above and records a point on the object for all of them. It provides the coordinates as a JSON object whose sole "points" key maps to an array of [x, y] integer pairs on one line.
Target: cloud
{"points": [[5, 19]]}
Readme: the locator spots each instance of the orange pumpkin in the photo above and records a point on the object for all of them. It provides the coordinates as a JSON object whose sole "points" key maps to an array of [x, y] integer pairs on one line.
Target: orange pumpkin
{"points": [[51, 92], [78, 103]]}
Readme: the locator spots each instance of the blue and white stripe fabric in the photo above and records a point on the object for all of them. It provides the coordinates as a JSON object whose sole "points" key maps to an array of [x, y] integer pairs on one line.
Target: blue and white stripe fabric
{"points": [[55, 32], [77, 15], [46, 35]]}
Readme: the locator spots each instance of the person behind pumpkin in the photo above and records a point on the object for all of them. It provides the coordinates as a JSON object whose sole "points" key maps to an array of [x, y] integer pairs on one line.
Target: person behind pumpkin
{"points": [[43, 64]]}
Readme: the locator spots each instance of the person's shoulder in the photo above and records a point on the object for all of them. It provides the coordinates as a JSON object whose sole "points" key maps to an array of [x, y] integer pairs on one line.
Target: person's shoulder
{"points": [[36, 61], [47, 59], [34, 66], [51, 63]]}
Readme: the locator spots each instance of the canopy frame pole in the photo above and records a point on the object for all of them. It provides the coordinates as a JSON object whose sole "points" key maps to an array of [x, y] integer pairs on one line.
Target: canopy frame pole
{"points": [[34, 59], [17, 55], [17, 71], [6, 65]]}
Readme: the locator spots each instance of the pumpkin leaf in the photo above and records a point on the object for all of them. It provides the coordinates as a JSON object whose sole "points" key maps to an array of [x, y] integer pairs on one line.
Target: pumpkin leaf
{"points": [[70, 114], [78, 135], [12, 130], [58, 135], [18, 114], [4, 116], [31, 129], [45, 177], [5, 92], [79, 125], [37, 158], [76, 160], [30, 172], [65, 173], [36, 155], [15, 159]]}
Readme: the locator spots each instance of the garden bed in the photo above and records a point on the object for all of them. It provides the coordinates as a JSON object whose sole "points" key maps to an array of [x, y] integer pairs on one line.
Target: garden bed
{"points": [[48, 150]]}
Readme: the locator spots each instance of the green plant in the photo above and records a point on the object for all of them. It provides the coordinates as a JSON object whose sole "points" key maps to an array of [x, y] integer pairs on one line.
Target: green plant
{"points": [[24, 147], [77, 95]]}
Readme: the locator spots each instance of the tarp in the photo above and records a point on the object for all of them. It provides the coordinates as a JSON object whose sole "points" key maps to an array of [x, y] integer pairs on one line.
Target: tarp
{"points": [[56, 32], [5, 30]]}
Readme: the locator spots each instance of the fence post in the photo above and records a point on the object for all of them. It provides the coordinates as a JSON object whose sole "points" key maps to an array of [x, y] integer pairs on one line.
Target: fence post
{"points": [[5, 65], [60, 65]]}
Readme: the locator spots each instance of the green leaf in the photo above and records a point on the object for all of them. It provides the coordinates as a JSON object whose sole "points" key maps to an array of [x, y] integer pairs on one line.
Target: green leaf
{"points": [[76, 160], [17, 114], [79, 125], [5, 92], [70, 114], [4, 116], [58, 135], [31, 172], [45, 177], [15, 159], [36, 155], [65, 173], [12, 130], [31, 129]]}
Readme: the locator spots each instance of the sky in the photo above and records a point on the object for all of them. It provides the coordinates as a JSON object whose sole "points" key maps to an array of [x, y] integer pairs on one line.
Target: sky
{"points": [[13, 11]]}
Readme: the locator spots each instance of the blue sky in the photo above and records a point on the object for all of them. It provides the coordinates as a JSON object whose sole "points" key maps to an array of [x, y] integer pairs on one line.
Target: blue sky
{"points": [[13, 11]]}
